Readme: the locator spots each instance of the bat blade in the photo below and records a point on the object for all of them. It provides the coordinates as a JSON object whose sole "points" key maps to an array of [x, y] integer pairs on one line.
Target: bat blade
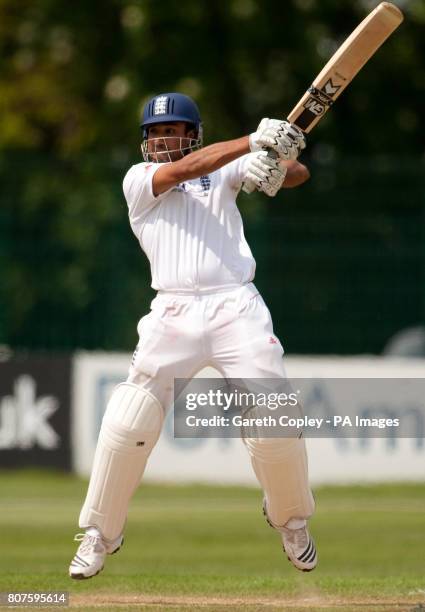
{"points": [[341, 69], [343, 66]]}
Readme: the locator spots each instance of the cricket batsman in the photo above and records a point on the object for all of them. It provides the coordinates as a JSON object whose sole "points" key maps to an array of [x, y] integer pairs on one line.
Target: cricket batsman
{"points": [[182, 208]]}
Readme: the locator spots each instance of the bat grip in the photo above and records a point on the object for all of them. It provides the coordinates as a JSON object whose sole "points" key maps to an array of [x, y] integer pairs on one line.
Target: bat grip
{"points": [[249, 186]]}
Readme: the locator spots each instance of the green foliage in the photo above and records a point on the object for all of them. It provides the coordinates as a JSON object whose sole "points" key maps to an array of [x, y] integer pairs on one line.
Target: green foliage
{"points": [[74, 76]]}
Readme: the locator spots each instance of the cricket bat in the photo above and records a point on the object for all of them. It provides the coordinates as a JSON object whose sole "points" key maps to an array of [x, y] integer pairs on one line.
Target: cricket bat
{"points": [[343, 66]]}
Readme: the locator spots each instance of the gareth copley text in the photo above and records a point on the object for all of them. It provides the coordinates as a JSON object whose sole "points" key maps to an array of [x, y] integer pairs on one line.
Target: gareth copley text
{"points": [[337, 421]]}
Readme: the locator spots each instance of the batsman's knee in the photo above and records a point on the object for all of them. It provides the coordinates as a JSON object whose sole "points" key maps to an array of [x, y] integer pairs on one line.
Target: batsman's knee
{"points": [[133, 418], [273, 450]]}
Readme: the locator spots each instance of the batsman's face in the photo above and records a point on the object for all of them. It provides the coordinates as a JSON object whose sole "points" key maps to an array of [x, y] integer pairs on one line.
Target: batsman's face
{"points": [[167, 141]]}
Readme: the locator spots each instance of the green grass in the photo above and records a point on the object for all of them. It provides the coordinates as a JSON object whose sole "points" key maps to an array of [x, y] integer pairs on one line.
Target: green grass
{"points": [[199, 541]]}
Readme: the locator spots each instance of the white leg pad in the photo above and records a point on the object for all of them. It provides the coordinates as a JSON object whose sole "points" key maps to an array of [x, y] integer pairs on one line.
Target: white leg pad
{"points": [[281, 467], [130, 429]]}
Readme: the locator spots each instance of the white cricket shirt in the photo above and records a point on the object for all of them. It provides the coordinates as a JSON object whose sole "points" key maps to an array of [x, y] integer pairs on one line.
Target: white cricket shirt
{"points": [[192, 234]]}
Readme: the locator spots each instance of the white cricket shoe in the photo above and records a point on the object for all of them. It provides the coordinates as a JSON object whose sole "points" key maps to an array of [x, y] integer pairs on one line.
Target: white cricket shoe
{"points": [[297, 543], [299, 547], [90, 556]]}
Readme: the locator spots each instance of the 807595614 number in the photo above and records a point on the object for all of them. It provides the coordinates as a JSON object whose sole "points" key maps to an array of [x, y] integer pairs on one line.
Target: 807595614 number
{"points": [[51, 598]]}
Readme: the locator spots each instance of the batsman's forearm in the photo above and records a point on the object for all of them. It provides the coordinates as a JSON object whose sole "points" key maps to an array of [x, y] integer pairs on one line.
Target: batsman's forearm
{"points": [[210, 158], [296, 174]]}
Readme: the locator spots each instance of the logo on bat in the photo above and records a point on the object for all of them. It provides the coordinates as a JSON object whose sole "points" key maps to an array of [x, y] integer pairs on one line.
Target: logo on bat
{"points": [[314, 106], [330, 89]]}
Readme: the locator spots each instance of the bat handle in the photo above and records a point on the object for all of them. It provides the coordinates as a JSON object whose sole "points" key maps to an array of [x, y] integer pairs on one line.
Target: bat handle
{"points": [[249, 186]]}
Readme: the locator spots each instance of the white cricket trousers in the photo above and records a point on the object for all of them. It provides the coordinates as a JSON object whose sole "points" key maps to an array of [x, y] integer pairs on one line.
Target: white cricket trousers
{"points": [[231, 331]]}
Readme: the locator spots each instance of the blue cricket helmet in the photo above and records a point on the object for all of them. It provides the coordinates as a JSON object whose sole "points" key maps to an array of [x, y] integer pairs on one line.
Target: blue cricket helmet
{"points": [[168, 107]]}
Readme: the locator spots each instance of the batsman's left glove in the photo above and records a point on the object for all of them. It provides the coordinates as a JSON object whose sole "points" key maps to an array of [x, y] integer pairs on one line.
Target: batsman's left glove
{"points": [[283, 137]]}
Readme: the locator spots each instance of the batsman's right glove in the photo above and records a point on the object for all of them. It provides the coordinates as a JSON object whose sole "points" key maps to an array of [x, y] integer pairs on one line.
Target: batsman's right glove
{"points": [[264, 173]]}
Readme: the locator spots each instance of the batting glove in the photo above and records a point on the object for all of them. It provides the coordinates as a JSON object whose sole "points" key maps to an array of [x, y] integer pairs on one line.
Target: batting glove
{"points": [[283, 137], [264, 173]]}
